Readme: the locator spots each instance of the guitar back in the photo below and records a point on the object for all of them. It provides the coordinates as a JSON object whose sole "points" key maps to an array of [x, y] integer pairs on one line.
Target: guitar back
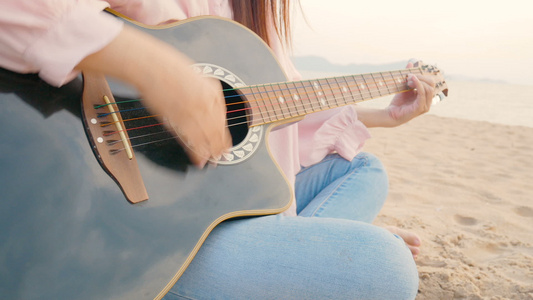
{"points": [[68, 230]]}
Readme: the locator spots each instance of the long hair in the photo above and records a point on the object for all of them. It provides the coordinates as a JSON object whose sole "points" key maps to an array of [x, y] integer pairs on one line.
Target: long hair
{"points": [[254, 14]]}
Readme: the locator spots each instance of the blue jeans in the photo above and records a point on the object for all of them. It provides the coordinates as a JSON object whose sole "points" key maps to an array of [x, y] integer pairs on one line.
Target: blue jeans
{"points": [[330, 251]]}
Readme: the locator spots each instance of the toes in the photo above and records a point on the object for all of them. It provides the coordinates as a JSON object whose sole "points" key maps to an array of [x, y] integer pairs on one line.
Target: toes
{"points": [[414, 250], [409, 238]]}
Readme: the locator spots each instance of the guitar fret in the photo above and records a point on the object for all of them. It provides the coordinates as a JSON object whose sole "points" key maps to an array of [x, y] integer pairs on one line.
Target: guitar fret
{"points": [[342, 92], [318, 90], [309, 91], [265, 102], [304, 97], [290, 109], [386, 82], [349, 87], [273, 104], [317, 93], [334, 90], [324, 94], [295, 99], [292, 99], [391, 83], [361, 86], [370, 86], [377, 84], [385, 85], [398, 79], [404, 79], [281, 101], [256, 106]]}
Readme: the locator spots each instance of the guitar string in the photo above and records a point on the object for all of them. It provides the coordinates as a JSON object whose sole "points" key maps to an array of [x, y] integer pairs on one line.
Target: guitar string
{"points": [[296, 104], [391, 79], [262, 92], [159, 132], [130, 119], [351, 79], [293, 82], [168, 131], [123, 101], [109, 134], [401, 73], [321, 82], [315, 81]]}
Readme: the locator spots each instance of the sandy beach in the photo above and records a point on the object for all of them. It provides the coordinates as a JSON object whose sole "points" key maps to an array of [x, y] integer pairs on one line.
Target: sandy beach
{"points": [[466, 187]]}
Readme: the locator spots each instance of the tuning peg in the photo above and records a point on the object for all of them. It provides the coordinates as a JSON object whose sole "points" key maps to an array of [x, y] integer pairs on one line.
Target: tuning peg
{"points": [[435, 100], [438, 98], [415, 62]]}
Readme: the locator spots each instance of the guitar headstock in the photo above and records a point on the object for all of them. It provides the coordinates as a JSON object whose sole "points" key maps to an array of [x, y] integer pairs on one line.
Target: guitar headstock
{"points": [[441, 87]]}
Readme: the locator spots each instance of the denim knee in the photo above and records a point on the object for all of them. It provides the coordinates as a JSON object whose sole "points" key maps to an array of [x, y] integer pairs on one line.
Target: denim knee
{"points": [[402, 271], [374, 164], [376, 172]]}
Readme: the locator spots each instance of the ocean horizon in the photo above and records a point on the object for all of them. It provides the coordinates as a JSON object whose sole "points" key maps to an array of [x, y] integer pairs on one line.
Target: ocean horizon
{"points": [[494, 102]]}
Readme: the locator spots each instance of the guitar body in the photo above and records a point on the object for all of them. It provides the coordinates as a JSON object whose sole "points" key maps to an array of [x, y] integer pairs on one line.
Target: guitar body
{"points": [[68, 231]]}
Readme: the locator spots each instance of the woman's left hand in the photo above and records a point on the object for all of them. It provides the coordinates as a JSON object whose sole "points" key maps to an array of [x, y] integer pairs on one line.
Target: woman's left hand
{"points": [[408, 105]]}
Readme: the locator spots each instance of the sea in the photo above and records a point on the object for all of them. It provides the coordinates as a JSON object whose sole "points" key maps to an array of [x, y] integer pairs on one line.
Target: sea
{"points": [[478, 100]]}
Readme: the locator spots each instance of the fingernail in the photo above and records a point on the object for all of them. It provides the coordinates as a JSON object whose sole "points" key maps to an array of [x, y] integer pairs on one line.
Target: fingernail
{"points": [[410, 80], [201, 163]]}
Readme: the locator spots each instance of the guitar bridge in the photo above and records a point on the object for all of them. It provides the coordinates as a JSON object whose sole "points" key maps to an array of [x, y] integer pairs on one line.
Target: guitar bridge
{"points": [[109, 139]]}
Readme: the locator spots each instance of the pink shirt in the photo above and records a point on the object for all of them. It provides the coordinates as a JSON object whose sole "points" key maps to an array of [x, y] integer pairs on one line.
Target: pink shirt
{"points": [[51, 37]]}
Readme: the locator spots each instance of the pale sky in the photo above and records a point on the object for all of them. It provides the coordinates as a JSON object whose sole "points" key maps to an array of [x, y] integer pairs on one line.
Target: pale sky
{"points": [[481, 39]]}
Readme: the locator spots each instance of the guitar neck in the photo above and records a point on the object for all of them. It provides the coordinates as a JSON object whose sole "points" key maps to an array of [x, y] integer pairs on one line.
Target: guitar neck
{"points": [[280, 101]]}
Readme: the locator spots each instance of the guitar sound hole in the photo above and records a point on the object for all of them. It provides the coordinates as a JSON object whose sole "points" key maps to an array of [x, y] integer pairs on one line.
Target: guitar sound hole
{"points": [[237, 113], [159, 145]]}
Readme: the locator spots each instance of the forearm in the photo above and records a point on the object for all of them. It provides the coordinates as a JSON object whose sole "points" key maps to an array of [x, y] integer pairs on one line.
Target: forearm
{"points": [[373, 117], [190, 105], [404, 106], [136, 58], [148, 64]]}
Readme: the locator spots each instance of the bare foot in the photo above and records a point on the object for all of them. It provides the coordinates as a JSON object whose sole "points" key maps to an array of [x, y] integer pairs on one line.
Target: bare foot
{"points": [[411, 239]]}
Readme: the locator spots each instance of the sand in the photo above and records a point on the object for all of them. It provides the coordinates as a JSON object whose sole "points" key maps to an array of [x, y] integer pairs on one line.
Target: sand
{"points": [[466, 187]]}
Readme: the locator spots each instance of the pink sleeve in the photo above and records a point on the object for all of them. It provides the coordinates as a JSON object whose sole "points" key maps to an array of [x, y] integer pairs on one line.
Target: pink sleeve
{"points": [[335, 130], [51, 37]]}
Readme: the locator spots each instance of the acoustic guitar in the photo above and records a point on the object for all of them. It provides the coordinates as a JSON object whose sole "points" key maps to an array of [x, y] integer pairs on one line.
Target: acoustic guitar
{"points": [[99, 201]]}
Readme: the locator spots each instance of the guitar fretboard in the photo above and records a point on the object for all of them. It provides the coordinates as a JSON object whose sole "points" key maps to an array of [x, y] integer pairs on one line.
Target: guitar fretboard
{"points": [[279, 101]]}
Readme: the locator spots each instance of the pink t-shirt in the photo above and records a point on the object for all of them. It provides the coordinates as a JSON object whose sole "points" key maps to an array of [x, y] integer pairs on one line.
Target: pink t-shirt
{"points": [[51, 37]]}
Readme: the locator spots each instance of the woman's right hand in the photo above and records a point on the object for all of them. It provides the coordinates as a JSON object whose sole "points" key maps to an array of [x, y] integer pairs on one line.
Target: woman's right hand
{"points": [[191, 105]]}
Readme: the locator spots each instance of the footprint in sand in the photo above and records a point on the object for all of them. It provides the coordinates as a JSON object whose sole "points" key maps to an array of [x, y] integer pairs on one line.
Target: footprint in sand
{"points": [[483, 252], [467, 221], [524, 211]]}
